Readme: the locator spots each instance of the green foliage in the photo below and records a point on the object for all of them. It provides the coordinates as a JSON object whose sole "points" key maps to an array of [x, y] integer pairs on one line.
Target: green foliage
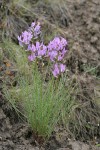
{"points": [[1, 54], [41, 102], [70, 102], [17, 55]]}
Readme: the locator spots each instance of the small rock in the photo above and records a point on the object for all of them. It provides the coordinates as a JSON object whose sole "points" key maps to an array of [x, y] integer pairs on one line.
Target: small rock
{"points": [[79, 145], [94, 39]]}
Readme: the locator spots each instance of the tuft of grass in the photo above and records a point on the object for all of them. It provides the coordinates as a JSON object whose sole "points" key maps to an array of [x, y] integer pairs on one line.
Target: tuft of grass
{"points": [[41, 103], [71, 102], [84, 122], [17, 56]]}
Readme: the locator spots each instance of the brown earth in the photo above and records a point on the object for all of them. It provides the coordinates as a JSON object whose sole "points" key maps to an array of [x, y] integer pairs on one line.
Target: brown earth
{"points": [[81, 26]]}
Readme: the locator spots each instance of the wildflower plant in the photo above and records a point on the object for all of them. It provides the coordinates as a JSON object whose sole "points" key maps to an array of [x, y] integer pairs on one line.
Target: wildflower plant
{"points": [[54, 51], [41, 101]]}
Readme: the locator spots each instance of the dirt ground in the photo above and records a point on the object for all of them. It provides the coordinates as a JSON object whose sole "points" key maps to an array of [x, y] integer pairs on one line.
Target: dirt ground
{"points": [[82, 29]]}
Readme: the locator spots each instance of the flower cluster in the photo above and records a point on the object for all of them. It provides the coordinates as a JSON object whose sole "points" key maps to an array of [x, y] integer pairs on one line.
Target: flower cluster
{"points": [[25, 38], [55, 50], [35, 29], [37, 51], [56, 53], [33, 32]]}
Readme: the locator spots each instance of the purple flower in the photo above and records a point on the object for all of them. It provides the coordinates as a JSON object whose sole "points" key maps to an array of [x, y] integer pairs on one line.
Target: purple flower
{"points": [[63, 51], [52, 55], [57, 44], [64, 42], [60, 57], [37, 30], [57, 49], [37, 51], [20, 43], [38, 45], [31, 47], [61, 54], [54, 45], [31, 57], [56, 70], [33, 24], [42, 50], [62, 67], [25, 38]]}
